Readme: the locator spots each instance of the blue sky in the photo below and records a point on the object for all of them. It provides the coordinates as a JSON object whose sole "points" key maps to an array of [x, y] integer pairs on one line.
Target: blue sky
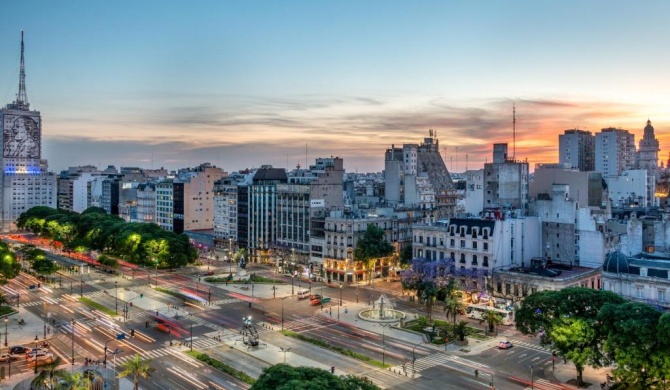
{"points": [[245, 83]]}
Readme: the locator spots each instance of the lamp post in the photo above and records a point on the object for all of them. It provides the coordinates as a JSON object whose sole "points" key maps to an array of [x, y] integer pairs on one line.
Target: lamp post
{"points": [[6, 321], [81, 281], [384, 343], [531, 378], [72, 323], [282, 312], [191, 341], [44, 309], [36, 339], [414, 357], [274, 291], [116, 293], [357, 292], [292, 289], [340, 293], [284, 350]]}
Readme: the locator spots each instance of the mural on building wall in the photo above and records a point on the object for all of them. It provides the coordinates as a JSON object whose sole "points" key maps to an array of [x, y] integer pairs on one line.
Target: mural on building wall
{"points": [[21, 137]]}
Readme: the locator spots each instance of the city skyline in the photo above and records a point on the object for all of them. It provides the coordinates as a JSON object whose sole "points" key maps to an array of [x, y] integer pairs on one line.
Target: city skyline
{"points": [[241, 85]]}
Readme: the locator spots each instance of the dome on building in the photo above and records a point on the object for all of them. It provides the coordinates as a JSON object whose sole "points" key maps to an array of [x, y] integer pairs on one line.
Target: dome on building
{"points": [[616, 263]]}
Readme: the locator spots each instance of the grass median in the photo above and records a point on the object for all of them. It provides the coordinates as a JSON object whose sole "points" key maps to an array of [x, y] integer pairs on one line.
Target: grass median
{"points": [[219, 365], [334, 348], [97, 306]]}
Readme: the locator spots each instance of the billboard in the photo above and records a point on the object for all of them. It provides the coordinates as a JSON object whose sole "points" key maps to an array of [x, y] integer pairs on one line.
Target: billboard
{"points": [[317, 203], [21, 137]]}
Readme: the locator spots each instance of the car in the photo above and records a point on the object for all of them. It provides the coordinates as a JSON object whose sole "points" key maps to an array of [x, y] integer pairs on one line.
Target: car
{"points": [[40, 357], [6, 356], [315, 302], [19, 350], [37, 351], [315, 296], [209, 273], [505, 345]]}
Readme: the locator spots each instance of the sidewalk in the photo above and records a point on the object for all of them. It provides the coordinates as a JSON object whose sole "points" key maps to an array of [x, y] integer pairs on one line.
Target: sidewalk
{"points": [[567, 372]]}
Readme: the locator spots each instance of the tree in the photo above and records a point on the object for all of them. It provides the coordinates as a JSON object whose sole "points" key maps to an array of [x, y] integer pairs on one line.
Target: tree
{"points": [[460, 330], [406, 255], [285, 377], [492, 320], [452, 308], [137, 368], [72, 381], [569, 320], [428, 295], [636, 341], [371, 247], [46, 379]]}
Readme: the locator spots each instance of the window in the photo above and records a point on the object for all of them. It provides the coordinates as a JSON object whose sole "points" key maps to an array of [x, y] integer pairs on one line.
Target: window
{"points": [[640, 292], [474, 259], [508, 288], [485, 262], [462, 258], [486, 246], [474, 245], [452, 242], [661, 295], [462, 243]]}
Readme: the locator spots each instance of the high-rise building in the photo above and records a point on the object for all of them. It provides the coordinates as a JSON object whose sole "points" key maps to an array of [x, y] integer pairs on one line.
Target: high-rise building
{"points": [[506, 182], [263, 211], [615, 151], [576, 149], [26, 181], [416, 176]]}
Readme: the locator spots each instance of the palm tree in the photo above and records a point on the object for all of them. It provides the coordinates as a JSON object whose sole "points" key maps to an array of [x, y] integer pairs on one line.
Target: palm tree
{"points": [[76, 381], [492, 319], [452, 308], [45, 379], [136, 367], [460, 330]]}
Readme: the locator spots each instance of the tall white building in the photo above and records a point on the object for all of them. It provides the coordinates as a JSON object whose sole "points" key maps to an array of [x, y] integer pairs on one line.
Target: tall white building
{"points": [[648, 151], [615, 151], [576, 149], [506, 182], [26, 181]]}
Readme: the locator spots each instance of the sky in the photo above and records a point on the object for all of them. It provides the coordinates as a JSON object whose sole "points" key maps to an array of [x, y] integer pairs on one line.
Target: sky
{"points": [[245, 83]]}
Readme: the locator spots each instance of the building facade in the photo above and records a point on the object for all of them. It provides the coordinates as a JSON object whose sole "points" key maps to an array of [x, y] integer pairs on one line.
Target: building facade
{"points": [[576, 149], [615, 151], [506, 182], [26, 181]]}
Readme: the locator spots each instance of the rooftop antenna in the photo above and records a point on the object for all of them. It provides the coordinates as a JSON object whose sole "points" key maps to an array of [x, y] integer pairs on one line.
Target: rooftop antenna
{"points": [[22, 96], [513, 131]]}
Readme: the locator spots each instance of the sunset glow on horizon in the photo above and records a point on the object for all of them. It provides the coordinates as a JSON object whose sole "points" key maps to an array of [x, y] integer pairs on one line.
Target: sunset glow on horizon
{"points": [[241, 84]]}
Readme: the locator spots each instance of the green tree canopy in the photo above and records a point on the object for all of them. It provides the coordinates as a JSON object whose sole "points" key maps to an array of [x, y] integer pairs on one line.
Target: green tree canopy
{"points": [[637, 341], [372, 246], [285, 377], [569, 320]]}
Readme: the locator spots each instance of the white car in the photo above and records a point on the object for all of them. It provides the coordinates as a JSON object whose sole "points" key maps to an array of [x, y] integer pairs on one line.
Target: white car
{"points": [[41, 356]]}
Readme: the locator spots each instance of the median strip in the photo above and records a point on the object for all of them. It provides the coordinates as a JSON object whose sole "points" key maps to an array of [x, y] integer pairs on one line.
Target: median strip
{"points": [[219, 365], [98, 306], [340, 350]]}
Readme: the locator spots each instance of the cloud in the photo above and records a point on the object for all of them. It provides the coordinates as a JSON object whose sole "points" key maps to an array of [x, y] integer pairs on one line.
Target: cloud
{"points": [[244, 131]]}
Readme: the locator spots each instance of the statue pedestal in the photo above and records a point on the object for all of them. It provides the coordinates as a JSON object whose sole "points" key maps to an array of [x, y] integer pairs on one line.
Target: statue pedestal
{"points": [[241, 274]]}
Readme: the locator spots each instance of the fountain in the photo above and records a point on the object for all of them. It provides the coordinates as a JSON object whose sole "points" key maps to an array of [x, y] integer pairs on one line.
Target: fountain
{"points": [[382, 311]]}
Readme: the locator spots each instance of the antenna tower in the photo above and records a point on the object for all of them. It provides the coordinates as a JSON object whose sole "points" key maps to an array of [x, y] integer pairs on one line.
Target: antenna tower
{"points": [[513, 131], [22, 96]]}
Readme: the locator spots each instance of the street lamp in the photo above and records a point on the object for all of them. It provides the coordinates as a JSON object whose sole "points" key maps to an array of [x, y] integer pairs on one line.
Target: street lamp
{"points": [[36, 339], [72, 323], [384, 343], [282, 312], [531, 378], [414, 358], [340, 293], [356, 292], [292, 289], [284, 350], [6, 321], [116, 293]]}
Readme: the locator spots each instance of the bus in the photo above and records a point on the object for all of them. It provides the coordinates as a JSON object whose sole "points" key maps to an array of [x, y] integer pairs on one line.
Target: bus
{"points": [[477, 312]]}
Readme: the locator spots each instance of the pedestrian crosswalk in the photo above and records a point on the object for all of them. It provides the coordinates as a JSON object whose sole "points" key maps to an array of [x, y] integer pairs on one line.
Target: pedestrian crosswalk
{"points": [[531, 346], [39, 302], [152, 354], [205, 343], [298, 324], [219, 302]]}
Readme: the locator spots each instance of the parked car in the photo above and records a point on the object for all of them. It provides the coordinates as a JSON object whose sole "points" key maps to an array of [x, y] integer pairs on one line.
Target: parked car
{"points": [[19, 350], [37, 351], [209, 273], [505, 345]]}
